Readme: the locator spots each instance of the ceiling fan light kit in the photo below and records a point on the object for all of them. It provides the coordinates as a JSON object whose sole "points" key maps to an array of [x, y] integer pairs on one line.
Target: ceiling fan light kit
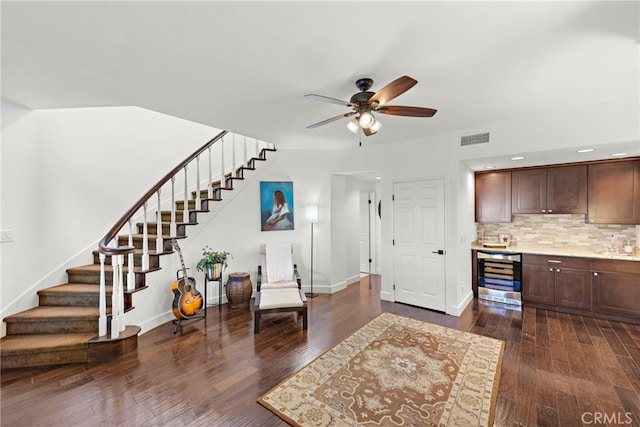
{"points": [[366, 120], [365, 102]]}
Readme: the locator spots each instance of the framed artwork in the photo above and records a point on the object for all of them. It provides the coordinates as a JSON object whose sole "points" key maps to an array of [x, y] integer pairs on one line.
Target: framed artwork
{"points": [[276, 205]]}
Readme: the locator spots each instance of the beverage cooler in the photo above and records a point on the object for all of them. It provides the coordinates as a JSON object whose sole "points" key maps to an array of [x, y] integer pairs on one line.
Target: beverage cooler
{"points": [[500, 277]]}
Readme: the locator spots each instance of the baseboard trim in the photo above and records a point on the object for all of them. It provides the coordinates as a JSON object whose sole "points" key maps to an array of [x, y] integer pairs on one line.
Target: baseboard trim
{"points": [[458, 309]]}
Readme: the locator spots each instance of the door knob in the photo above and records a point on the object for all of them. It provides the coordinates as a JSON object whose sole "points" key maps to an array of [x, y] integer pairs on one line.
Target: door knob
{"points": [[439, 252]]}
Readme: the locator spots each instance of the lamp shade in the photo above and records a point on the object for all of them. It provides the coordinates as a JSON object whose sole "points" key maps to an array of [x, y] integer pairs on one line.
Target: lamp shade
{"points": [[312, 214], [353, 126], [375, 127]]}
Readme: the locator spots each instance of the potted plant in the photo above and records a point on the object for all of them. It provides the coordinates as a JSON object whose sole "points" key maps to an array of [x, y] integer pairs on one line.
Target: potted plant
{"points": [[214, 262]]}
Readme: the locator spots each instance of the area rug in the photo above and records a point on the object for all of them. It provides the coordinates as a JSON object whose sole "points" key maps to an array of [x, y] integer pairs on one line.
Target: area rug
{"points": [[395, 371]]}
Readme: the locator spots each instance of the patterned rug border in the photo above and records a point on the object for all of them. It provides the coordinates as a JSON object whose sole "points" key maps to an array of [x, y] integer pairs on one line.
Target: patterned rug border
{"points": [[392, 318]]}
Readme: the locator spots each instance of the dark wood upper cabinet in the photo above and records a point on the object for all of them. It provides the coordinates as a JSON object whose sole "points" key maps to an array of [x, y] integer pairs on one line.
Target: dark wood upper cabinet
{"points": [[567, 189], [614, 193], [529, 191], [561, 190], [493, 196]]}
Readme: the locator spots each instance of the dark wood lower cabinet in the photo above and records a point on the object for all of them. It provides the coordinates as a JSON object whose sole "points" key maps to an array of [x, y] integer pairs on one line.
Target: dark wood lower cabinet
{"points": [[559, 281], [538, 284], [615, 287], [573, 288], [600, 287], [564, 287]]}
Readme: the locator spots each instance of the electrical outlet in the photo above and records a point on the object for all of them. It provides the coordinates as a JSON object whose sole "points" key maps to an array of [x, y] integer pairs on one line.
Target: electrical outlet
{"points": [[6, 236]]}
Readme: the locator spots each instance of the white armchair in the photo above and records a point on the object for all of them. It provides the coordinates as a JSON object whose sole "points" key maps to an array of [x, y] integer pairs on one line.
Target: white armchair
{"points": [[278, 284]]}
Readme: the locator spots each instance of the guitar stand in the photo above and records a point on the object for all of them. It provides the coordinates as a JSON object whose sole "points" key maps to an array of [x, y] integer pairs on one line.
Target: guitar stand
{"points": [[178, 322]]}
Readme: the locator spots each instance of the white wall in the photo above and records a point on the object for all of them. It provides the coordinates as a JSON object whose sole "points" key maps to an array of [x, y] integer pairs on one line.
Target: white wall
{"points": [[50, 139], [67, 176], [20, 206]]}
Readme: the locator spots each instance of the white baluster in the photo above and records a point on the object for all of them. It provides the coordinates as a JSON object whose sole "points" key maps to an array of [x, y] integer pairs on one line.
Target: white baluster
{"points": [[145, 240], [131, 277], [245, 159], [116, 296], [221, 165], [121, 294], [172, 232], [198, 199], [159, 239], [102, 305], [185, 212], [210, 187], [233, 156]]}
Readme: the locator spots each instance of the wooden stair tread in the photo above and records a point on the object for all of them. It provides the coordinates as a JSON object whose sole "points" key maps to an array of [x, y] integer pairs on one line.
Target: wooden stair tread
{"points": [[76, 288], [95, 268], [48, 312], [12, 344]]}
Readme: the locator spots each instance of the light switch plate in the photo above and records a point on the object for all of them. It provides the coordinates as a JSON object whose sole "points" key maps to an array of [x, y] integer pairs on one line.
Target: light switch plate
{"points": [[6, 236]]}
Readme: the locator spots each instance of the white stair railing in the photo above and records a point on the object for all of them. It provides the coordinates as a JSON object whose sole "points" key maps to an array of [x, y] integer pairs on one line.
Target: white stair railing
{"points": [[221, 146]]}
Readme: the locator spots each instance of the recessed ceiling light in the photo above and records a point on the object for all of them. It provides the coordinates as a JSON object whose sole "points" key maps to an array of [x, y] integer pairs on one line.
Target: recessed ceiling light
{"points": [[586, 150], [489, 167], [618, 154], [517, 158], [378, 177]]}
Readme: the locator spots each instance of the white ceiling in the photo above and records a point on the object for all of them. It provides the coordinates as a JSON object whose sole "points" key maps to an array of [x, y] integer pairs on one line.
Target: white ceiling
{"points": [[246, 66]]}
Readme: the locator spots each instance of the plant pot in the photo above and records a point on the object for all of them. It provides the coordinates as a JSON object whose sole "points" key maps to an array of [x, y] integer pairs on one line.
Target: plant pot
{"points": [[214, 273]]}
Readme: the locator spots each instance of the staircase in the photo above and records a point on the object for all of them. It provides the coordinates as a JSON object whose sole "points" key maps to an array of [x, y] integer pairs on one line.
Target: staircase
{"points": [[64, 327]]}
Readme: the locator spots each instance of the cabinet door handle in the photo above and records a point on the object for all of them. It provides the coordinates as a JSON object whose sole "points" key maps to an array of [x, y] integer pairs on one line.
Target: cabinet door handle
{"points": [[551, 269], [555, 261], [595, 274], [550, 210], [557, 270], [544, 210]]}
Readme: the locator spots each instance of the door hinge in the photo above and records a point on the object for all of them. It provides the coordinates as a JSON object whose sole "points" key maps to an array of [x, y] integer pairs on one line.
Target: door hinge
{"points": [[394, 286], [369, 201], [370, 260], [393, 197], [393, 242]]}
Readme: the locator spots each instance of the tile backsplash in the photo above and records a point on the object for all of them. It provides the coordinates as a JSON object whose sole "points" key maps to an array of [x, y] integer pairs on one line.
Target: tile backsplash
{"points": [[558, 230]]}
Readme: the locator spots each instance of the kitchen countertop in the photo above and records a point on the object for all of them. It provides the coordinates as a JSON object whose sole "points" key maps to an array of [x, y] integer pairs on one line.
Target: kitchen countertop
{"points": [[564, 250]]}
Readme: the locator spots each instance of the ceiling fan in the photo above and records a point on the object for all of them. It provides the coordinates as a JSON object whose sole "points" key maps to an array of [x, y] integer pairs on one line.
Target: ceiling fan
{"points": [[364, 103]]}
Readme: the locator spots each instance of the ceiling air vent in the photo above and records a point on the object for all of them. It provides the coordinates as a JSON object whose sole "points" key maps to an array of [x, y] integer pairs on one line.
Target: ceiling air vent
{"points": [[479, 138]]}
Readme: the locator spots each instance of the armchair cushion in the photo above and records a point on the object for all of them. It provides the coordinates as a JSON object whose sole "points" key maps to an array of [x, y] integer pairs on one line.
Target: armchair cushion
{"points": [[280, 298], [279, 263], [281, 285]]}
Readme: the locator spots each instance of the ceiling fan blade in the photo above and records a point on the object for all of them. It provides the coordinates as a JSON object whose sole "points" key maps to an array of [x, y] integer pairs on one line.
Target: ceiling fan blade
{"points": [[332, 119], [328, 99], [398, 110], [393, 89]]}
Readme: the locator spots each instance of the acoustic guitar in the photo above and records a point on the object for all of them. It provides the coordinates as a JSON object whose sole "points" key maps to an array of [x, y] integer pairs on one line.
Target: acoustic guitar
{"points": [[187, 301]]}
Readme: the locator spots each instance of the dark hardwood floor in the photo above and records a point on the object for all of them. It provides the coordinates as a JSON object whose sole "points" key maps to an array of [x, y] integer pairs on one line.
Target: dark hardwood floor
{"points": [[558, 369]]}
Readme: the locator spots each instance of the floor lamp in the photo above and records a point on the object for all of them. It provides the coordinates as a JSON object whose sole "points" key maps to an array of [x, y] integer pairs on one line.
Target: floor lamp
{"points": [[312, 217]]}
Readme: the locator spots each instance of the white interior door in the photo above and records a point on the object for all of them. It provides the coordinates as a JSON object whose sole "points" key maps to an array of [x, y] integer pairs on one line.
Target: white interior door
{"points": [[365, 232], [419, 239]]}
